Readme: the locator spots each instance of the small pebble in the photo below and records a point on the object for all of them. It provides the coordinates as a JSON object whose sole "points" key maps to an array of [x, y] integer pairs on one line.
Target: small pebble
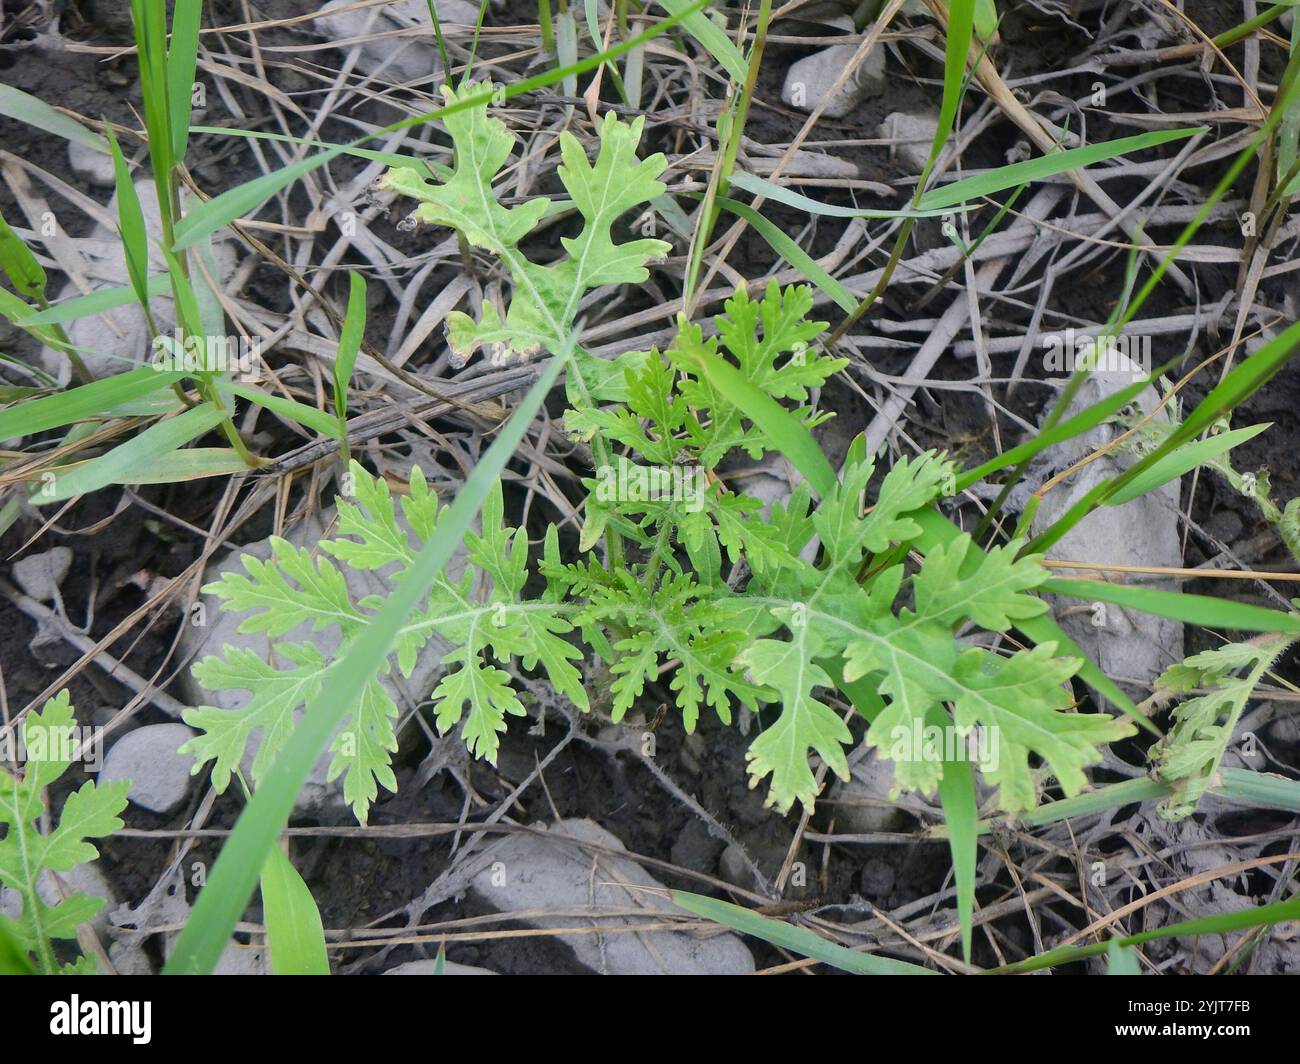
{"points": [[39, 575], [160, 777]]}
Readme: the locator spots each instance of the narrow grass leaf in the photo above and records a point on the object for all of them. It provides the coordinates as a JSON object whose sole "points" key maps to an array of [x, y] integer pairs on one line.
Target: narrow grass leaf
{"points": [[94, 303], [388, 158], [190, 463], [24, 107], [797, 939], [1120, 960], [956, 52], [294, 932], [354, 329], [780, 194], [182, 61], [1204, 610], [1239, 920], [1183, 460], [1082, 422], [792, 253], [19, 264], [960, 814], [1263, 790], [1004, 177], [710, 37], [87, 401], [131, 462], [309, 416], [130, 223], [1241, 383]]}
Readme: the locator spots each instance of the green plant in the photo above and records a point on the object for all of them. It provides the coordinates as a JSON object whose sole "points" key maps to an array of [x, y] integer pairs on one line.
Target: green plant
{"points": [[28, 853], [1188, 757], [732, 608], [722, 602], [712, 595]]}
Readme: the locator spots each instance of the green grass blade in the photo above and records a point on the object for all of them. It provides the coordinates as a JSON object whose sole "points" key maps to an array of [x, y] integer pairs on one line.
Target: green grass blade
{"points": [[182, 61], [1082, 422], [294, 931], [1111, 796], [796, 939], [107, 299], [130, 223], [1288, 133], [235, 874], [710, 37], [26, 108], [1042, 166], [86, 401], [149, 20], [1235, 388], [1263, 916], [780, 194], [956, 52], [316, 420], [234, 203], [784, 246], [354, 329], [1260, 789], [190, 463], [1120, 960], [1204, 610], [19, 264], [960, 815], [1183, 460], [187, 303], [131, 462], [388, 158]]}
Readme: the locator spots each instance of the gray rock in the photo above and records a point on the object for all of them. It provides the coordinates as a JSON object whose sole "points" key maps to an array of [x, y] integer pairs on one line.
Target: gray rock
{"points": [[911, 137], [243, 960], [429, 968], [733, 867], [862, 804], [389, 56], [531, 873], [160, 777], [95, 166], [113, 17], [1128, 646], [128, 959], [808, 81], [39, 575]]}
